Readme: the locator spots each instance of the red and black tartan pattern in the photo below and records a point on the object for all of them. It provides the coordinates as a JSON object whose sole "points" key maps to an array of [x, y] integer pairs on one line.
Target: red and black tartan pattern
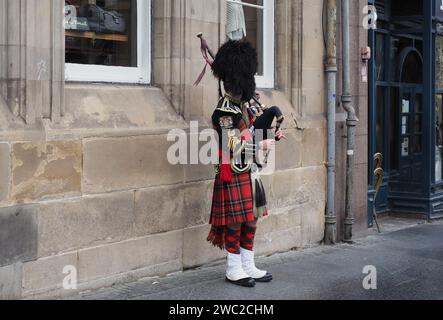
{"points": [[247, 237], [232, 203], [232, 241]]}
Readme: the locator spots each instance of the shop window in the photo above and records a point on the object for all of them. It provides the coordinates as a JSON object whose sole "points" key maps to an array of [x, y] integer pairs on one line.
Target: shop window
{"points": [[405, 60], [412, 71], [107, 40], [260, 32], [380, 128], [380, 57], [439, 138], [439, 9], [406, 8], [418, 124], [396, 47], [394, 111], [439, 62], [380, 5]]}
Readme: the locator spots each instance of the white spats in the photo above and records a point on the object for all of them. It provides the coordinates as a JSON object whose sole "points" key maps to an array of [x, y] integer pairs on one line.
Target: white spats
{"points": [[248, 265], [234, 270]]}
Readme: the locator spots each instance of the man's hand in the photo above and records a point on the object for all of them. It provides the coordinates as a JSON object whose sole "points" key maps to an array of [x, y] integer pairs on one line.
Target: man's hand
{"points": [[279, 135], [267, 145]]}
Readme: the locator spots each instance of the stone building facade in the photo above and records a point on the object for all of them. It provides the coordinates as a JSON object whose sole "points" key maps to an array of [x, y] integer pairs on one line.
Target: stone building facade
{"points": [[84, 179]]}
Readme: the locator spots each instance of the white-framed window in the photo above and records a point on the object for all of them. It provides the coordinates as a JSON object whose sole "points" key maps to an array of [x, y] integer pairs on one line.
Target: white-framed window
{"points": [[108, 41], [260, 31]]}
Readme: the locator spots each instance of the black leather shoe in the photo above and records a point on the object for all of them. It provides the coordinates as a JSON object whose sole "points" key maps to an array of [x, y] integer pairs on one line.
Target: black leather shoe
{"points": [[267, 278], [246, 282]]}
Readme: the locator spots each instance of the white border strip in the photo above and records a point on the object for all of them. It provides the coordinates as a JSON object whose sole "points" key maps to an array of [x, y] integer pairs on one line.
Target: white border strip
{"points": [[246, 4], [267, 81], [140, 74]]}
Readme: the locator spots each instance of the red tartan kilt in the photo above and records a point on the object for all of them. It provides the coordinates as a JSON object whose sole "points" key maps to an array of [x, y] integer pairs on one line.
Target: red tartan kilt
{"points": [[232, 203]]}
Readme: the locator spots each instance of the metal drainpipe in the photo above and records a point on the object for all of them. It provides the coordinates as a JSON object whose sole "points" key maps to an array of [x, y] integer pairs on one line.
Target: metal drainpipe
{"points": [[351, 123], [331, 73]]}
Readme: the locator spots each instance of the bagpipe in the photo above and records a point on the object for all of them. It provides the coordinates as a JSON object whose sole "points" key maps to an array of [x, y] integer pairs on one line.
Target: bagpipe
{"points": [[261, 116]]}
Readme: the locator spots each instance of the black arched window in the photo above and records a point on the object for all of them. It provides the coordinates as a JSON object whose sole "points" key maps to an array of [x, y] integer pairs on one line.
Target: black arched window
{"points": [[411, 67]]}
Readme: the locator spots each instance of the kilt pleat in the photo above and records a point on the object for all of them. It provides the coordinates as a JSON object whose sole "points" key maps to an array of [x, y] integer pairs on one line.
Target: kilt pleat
{"points": [[232, 202]]}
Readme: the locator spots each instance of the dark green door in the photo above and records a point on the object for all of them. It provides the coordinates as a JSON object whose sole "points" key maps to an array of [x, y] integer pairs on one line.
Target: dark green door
{"points": [[410, 173]]}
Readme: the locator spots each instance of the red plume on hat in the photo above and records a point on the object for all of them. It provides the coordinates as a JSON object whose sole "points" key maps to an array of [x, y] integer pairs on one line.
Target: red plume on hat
{"points": [[206, 52]]}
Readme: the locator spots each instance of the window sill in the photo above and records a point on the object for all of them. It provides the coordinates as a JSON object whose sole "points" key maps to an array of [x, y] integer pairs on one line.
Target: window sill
{"points": [[98, 110]]}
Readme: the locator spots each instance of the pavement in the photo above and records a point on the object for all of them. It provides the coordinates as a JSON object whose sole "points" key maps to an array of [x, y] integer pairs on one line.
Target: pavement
{"points": [[407, 256]]}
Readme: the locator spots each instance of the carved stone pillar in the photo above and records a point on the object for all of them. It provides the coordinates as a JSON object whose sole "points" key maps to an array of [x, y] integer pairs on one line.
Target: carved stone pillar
{"points": [[289, 54], [33, 57], [177, 60]]}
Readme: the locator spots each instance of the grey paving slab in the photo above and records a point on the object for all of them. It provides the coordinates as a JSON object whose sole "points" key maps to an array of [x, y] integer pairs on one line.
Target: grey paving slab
{"points": [[409, 265]]}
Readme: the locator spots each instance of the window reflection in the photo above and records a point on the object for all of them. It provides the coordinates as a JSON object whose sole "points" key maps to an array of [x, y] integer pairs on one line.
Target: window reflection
{"points": [[254, 31], [438, 137], [394, 127], [439, 62], [380, 60], [380, 128], [101, 32]]}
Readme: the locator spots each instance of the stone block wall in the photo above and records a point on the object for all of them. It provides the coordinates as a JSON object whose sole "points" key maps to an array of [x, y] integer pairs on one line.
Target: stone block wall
{"points": [[117, 211], [95, 190]]}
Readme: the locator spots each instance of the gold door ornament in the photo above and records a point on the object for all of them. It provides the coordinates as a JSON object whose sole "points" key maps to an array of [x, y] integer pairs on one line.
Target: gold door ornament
{"points": [[378, 181]]}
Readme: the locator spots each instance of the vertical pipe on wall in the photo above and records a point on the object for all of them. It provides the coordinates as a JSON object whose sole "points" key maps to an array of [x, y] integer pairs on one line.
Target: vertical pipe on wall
{"points": [[3, 48], [351, 122], [331, 74], [429, 97]]}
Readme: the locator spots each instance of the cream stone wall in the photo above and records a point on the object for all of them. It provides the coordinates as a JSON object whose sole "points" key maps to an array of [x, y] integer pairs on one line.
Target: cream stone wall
{"points": [[94, 188]]}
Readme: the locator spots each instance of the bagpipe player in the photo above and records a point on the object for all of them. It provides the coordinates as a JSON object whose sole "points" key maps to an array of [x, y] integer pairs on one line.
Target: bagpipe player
{"points": [[239, 198]]}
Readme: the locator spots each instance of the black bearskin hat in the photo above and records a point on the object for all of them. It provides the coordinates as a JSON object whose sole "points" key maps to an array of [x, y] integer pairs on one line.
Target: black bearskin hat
{"points": [[236, 64]]}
